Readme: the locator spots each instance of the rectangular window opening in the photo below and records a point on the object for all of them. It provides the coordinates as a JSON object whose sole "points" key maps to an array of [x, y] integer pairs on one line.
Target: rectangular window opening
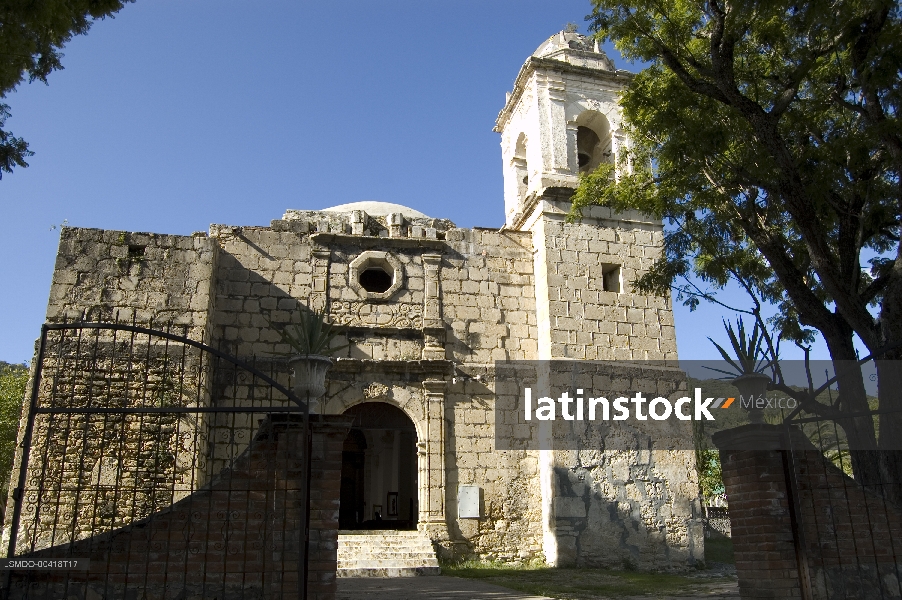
{"points": [[610, 278]]}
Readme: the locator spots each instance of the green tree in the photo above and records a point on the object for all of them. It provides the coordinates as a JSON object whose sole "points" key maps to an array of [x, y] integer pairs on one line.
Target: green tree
{"points": [[31, 37], [767, 134], [707, 464], [13, 379]]}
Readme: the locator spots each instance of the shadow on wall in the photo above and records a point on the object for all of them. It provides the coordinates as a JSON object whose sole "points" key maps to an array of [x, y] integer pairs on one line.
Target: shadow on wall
{"points": [[247, 521]]}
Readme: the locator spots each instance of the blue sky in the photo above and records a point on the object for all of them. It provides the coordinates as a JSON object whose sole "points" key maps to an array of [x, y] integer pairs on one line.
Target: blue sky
{"points": [[181, 113]]}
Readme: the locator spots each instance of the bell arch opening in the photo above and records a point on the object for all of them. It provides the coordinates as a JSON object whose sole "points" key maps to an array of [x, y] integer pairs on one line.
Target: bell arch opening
{"points": [[379, 481], [593, 141], [520, 167]]}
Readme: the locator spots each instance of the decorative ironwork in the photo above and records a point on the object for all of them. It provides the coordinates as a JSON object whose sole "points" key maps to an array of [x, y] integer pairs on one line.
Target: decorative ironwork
{"points": [[150, 453], [845, 524]]}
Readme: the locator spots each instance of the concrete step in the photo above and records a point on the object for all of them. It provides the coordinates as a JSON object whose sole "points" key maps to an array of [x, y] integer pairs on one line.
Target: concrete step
{"points": [[385, 554]]}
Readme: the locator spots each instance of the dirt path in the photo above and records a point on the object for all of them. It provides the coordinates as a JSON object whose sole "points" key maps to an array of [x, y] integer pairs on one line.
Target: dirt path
{"points": [[457, 588]]}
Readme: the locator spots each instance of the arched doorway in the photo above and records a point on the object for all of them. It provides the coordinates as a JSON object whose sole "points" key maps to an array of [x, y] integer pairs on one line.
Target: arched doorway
{"points": [[379, 469]]}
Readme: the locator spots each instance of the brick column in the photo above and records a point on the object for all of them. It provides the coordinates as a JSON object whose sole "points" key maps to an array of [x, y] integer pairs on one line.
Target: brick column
{"points": [[762, 525], [329, 433]]}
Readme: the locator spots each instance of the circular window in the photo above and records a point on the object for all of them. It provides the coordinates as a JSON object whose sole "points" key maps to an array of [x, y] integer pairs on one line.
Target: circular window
{"points": [[375, 279], [375, 275]]}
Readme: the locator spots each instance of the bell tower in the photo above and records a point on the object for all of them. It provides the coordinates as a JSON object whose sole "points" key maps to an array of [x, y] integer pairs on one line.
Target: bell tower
{"points": [[561, 119]]}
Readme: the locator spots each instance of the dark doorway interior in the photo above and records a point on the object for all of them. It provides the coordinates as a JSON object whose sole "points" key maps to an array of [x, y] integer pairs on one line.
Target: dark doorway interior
{"points": [[379, 469], [353, 456]]}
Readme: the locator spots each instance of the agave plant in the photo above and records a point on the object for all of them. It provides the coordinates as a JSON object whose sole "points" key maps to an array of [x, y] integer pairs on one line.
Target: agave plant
{"points": [[312, 335], [748, 354]]}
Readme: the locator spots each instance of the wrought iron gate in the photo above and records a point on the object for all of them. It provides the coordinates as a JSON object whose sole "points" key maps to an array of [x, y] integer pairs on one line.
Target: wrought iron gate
{"points": [[847, 529], [148, 467]]}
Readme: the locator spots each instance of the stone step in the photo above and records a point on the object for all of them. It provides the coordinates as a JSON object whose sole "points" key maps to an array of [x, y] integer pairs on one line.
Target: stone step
{"points": [[361, 550], [376, 554], [424, 559], [395, 541], [362, 537], [385, 554], [389, 546], [370, 563], [389, 572]]}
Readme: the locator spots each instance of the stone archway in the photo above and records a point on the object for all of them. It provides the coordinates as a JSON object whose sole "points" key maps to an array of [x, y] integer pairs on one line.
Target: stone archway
{"points": [[379, 482], [352, 384]]}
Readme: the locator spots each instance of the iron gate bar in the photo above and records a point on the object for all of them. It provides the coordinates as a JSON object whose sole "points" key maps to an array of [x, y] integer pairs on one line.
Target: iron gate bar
{"points": [[843, 415], [157, 409], [795, 513], [837, 520], [176, 338], [295, 406]]}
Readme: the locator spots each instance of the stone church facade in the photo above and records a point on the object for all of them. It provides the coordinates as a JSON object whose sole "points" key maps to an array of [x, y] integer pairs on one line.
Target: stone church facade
{"points": [[429, 309]]}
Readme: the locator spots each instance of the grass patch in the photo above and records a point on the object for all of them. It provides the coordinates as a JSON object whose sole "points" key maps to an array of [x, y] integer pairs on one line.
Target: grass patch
{"points": [[576, 584]]}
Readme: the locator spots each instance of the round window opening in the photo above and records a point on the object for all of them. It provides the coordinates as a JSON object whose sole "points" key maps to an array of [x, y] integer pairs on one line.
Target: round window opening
{"points": [[375, 279]]}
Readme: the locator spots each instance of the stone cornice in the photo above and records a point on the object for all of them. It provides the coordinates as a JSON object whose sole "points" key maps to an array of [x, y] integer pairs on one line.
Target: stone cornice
{"points": [[367, 241], [420, 367], [532, 64]]}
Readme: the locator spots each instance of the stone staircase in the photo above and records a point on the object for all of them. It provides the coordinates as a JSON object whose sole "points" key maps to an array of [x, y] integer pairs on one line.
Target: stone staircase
{"points": [[385, 554]]}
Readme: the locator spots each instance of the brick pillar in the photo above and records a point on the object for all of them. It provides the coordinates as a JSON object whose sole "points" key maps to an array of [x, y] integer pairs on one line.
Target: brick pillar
{"points": [[329, 433], [762, 525]]}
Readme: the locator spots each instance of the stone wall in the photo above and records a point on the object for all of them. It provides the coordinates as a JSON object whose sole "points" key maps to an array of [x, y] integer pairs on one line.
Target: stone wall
{"points": [[463, 299], [145, 277], [488, 296], [511, 525], [618, 494], [487, 310], [582, 320], [149, 280]]}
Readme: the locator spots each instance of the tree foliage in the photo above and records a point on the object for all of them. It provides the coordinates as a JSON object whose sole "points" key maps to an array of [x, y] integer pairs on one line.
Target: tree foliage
{"points": [[707, 464], [32, 35], [13, 380], [768, 135]]}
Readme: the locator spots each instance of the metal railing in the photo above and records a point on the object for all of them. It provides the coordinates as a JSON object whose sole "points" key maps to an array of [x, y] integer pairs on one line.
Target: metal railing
{"points": [[131, 431]]}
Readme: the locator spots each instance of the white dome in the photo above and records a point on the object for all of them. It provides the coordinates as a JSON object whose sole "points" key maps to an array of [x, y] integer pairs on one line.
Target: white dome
{"points": [[377, 209]]}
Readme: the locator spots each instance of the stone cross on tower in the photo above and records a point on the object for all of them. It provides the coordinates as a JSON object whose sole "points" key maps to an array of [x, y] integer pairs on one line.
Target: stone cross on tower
{"points": [[562, 119]]}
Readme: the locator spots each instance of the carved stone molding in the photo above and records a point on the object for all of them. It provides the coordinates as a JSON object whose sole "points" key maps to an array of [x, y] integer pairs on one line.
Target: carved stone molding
{"points": [[376, 391], [365, 314], [320, 293]]}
